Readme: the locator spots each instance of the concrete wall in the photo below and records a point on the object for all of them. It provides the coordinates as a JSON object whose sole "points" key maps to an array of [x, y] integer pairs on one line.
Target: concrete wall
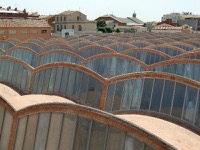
{"points": [[192, 23]]}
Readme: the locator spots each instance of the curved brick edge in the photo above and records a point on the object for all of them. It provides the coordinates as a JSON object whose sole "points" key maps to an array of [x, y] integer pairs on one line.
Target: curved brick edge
{"points": [[129, 58], [21, 48], [43, 49], [165, 45], [146, 50], [174, 61], [90, 113], [95, 46], [190, 53], [162, 116]]}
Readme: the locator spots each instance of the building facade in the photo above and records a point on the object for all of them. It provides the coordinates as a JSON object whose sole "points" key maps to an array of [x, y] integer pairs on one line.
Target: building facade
{"points": [[23, 29], [74, 20], [16, 13], [124, 24]]}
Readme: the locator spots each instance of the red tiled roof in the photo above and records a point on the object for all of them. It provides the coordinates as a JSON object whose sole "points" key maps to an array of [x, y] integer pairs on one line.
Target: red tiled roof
{"points": [[23, 23]]}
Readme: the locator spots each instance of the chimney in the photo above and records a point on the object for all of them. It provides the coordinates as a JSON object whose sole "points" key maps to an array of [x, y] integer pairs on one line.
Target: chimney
{"points": [[24, 10], [16, 9]]}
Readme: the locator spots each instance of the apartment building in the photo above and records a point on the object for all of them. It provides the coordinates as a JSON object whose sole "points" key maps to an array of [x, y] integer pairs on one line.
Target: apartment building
{"points": [[74, 20]]}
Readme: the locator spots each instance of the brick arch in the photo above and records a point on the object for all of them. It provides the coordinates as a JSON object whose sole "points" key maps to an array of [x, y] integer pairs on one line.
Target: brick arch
{"points": [[191, 53], [64, 45], [146, 50], [174, 61], [72, 66], [167, 39], [63, 52], [121, 44], [31, 43], [95, 46], [119, 56], [17, 61], [36, 41], [96, 115], [107, 41], [155, 41], [83, 44], [182, 43], [7, 42], [191, 41], [150, 74], [166, 46], [138, 41], [22, 48], [93, 38], [14, 39], [2, 51], [38, 50]]}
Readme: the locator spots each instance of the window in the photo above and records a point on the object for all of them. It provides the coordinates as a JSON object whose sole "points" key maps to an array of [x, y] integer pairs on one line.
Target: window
{"points": [[78, 18], [57, 18], [79, 28], [24, 31], [61, 18], [58, 28], [72, 26], [12, 31], [34, 31], [2, 31], [64, 18], [65, 27], [43, 31], [61, 27]]}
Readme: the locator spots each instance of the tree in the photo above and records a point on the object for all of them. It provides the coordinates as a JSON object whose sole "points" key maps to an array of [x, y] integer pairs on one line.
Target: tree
{"points": [[117, 30], [101, 23]]}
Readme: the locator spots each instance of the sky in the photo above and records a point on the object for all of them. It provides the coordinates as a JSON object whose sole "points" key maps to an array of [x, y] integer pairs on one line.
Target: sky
{"points": [[146, 10]]}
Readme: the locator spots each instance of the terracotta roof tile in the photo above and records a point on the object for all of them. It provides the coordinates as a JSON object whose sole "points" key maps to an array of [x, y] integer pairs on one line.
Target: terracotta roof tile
{"points": [[23, 23]]}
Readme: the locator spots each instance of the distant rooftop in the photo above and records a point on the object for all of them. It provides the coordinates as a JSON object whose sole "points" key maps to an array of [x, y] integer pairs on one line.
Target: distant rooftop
{"points": [[23, 23]]}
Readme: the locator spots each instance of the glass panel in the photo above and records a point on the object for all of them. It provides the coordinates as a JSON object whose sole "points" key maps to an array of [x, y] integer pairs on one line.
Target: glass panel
{"points": [[21, 129], [77, 84], [35, 83], [30, 132], [46, 80], [109, 98], [197, 118], [6, 130], [71, 82], [40, 82], [115, 139], [58, 79], [157, 93], [42, 131], [137, 93], [180, 69], [98, 136], [190, 103], [54, 131], [63, 86], [167, 96], [178, 100], [84, 87], [67, 132], [118, 95], [127, 94], [82, 133], [91, 96], [98, 90], [132, 143], [146, 96], [52, 80]]}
